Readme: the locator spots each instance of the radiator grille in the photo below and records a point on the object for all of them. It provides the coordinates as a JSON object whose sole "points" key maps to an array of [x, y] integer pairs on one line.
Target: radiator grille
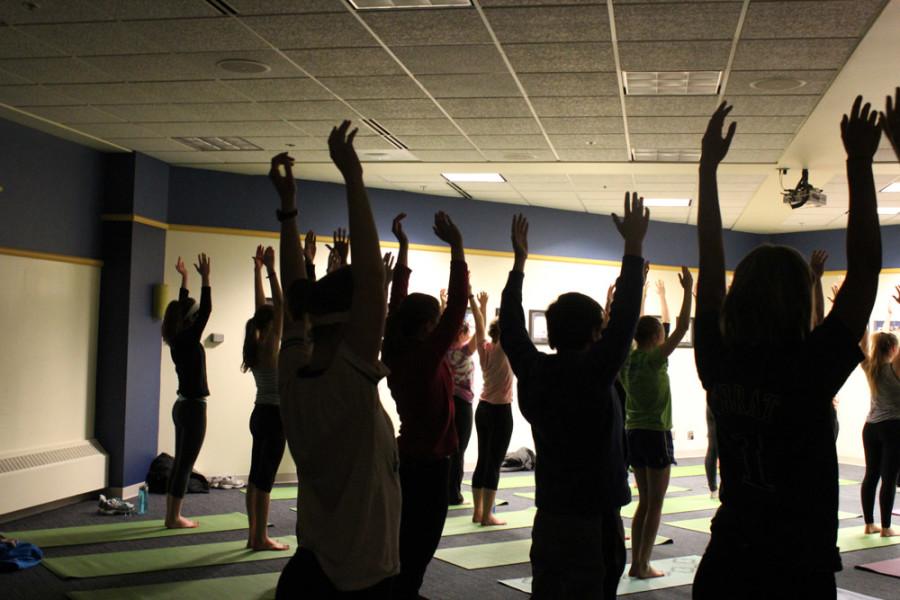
{"points": [[48, 457]]}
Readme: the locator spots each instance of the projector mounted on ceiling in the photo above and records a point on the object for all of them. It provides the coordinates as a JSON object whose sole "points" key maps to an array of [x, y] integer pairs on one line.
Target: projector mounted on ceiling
{"points": [[804, 193]]}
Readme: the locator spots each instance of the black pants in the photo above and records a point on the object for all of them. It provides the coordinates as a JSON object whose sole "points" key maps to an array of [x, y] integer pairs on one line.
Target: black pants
{"points": [[424, 488], [190, 429], [576, 557], [268, 445], [712, 451], [881, 444], [494, 424], [463, 422], [303, 578], [737, 576]]}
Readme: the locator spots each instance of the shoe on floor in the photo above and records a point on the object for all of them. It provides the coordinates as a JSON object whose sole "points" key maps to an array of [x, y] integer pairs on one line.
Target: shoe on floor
{"points": [[114, 506], [229, 483]]}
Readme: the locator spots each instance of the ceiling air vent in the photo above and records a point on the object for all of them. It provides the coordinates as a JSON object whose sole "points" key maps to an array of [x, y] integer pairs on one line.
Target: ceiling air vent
{"points": [[651, 155], [221, 6], [217, 144], [672, 83], [396, 4], [386, 135]]}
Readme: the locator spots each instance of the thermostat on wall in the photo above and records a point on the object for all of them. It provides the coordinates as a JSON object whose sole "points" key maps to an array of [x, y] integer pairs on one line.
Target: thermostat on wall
{"points": [[217, 338]]}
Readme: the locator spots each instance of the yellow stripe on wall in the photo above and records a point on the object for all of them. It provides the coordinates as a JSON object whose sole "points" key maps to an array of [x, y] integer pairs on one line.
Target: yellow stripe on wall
{"points": [[75, 260]]}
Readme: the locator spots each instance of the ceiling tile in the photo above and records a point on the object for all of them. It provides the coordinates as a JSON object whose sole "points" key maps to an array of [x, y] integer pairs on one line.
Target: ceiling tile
{"points": [[426, 27], [373, 88], [288, 143], [670, 106], [87, 39], [206, 63], [593, 154], [231, 128], [683, 141], [109, 130], [588, 141], [283, 7], [150, 113], [486, 107], [604, 183], [399, 109], [50, 11], [546, 24], [187, 157], [322, 129], [570, 84], [761, 141], [739, 82], [443, 60], [554, 58], [583, 125], [15, 44], [34, 95], [753, 156], [150, 144], [819, 19], [156, 9], [510, 142], [229, 111], [72, 114], [504, 197], [511, 126], [294, 89], [793, 54], [674, 56], [488, 85], [334, 30], [772, 105], [534, 2], [55, 70], [197, 35], [698, 124], [678, 21], [402, 127], [578, 106], [449, 155], [310, 110], [525, 180], [151, 67], [436, 142], [346, 62], [522, 155], [147, 93], [7, 78], [767, 124]]}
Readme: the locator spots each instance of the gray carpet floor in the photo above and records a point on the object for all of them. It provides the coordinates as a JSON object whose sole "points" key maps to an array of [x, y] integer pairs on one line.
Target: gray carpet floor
{"points": [[443, 581]]}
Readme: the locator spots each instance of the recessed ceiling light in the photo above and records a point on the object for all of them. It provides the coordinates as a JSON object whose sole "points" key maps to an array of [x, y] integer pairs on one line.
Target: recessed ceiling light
{"points": [[393, 4], [669, 155], [474, 177], [888, 210], [243, 66], [672, 83], [892, 188], [668, 202], [777, 84]]}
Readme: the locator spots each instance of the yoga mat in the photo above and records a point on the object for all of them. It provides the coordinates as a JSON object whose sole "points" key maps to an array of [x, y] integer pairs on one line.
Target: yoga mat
{"points": [[514, 481], [515, 519], [468, 503], [284, 492], [701, 525], [130, 529], [634, 490], [679, 571], [246, 587], [848, 595], [851, 539], [688, 471], [678, 504], [848, 482], [500, 554], [161, 559], [891, 568]]}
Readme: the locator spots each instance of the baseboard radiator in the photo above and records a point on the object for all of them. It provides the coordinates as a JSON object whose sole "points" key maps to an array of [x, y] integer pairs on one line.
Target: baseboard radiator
{"points": [[46, 475]]}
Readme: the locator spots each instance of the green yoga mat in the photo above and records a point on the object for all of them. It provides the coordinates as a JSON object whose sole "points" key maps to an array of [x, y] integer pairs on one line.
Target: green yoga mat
{"points": [[515, 519], [679, 504], [513, 481], [679, 571], [701, 525], [672, 488], [161, 559], [468, 502], [848, 482], [245, 587], [130, 529], [687, 471], [851, 539], [500, 554], [284, 492]]}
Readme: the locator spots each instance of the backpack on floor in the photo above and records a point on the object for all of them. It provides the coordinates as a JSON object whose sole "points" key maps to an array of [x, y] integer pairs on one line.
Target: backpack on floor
{"points": [[21, 556], [520, 460], [161, 469]]}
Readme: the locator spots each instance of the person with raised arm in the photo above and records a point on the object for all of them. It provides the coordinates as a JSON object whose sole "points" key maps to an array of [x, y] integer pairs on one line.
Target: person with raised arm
{"points": [[770, 378], [578, 540], [463, 368], [416, 341], [340, 437], [339, 253], [182, 330], [648, 422], [262, 339], [493, 417]]}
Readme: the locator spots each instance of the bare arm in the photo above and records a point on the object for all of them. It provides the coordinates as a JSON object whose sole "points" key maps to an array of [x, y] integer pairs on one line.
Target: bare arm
{"points": [[476, 314], [890, 121], [277, 296], [896, 362], [663, 305], [684, 316], [817, 266], [292, 263], [258, 294], [481, 318]]}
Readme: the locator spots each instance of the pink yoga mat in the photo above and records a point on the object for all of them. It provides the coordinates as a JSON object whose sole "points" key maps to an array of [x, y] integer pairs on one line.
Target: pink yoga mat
{"points": [[890, 568]]}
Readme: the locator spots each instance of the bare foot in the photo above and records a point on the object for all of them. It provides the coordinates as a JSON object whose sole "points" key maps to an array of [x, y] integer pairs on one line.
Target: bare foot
{"points": [[889, 532], [270, 544], [182, 523], [649, 573], [872, 528], [491, 521], [476, 517]]}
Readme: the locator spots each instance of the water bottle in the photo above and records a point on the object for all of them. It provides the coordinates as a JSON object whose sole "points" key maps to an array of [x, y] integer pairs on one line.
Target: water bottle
{"points": [[142, 500]]}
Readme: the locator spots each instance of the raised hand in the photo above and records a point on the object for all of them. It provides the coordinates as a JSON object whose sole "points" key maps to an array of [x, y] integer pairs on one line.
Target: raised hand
{"points": [[179, 266], [890, 121], [660, 287], [397, 229], [446, 230], [269, 258], [610, 294], [388, 267], [686, 280], [817, 263], [483, 299], [443, 296], [835, 288], [309, 247], [633, 227], [519, 236], [646, 271], [897, 294], [714, 146], [202, 265], [258, 258], [860, 131], [340, 146], [338, 253], [284, 184]]}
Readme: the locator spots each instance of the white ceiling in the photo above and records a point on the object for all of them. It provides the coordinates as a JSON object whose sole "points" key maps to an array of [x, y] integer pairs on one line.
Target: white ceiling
{"points": [[529, 88]]}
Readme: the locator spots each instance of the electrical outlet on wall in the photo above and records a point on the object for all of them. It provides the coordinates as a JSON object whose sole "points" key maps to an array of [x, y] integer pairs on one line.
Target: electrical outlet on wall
{"points": [[690, 435]]}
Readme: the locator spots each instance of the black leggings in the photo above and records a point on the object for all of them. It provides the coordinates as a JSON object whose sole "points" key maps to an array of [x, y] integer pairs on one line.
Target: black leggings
{"points": [[190, 429], [712, 451], [494, 424], [463, 422], [268, 445], [881, 444], [302, 577], [424, 489]]}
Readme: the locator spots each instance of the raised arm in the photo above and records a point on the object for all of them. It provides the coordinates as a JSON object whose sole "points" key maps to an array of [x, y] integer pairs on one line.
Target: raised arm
{"points": [[684, 316], [479, 322], [711, 279], [646, 285], [817, 267], [292, 263], [259, 296], [205, 308], [277, 296], [452, 318], [388, 261], [367, 309], [182, 270], [340, 252], [854, 302], [400, 282], [663, 305], [309, 254], [514, 338], [896, 361], [481, 317], [890, 121]]}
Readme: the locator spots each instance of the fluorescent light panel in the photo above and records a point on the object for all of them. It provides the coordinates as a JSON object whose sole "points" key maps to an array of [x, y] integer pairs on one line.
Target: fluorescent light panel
{"points": [[394, 4], [217, 144], [474, 177], [654, 155], [668, 202], [672, 83], [892, 188], [888, 210]]}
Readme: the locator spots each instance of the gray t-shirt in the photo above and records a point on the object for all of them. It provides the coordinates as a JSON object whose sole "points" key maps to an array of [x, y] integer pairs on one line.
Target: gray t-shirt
{"points": [[885, 396]]}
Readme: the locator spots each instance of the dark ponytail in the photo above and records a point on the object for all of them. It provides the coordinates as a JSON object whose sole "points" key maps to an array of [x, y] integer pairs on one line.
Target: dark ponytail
{"points": [[406, 321], [255, 325]]}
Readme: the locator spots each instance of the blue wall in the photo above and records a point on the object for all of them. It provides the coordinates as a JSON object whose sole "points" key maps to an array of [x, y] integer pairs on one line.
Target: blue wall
{"points": [[834, 241]]}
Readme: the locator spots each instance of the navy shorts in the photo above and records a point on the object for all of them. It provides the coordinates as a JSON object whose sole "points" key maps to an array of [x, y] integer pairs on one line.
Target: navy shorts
{"points": [[650, 449]]}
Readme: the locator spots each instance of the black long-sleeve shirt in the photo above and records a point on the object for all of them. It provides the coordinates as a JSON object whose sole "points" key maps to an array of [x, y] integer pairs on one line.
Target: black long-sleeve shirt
{"points": [[187, 351], [575, 415]]}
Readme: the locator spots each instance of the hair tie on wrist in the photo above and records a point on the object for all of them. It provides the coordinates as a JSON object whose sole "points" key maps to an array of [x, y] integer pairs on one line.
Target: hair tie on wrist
{"points": [[285, 215]]}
